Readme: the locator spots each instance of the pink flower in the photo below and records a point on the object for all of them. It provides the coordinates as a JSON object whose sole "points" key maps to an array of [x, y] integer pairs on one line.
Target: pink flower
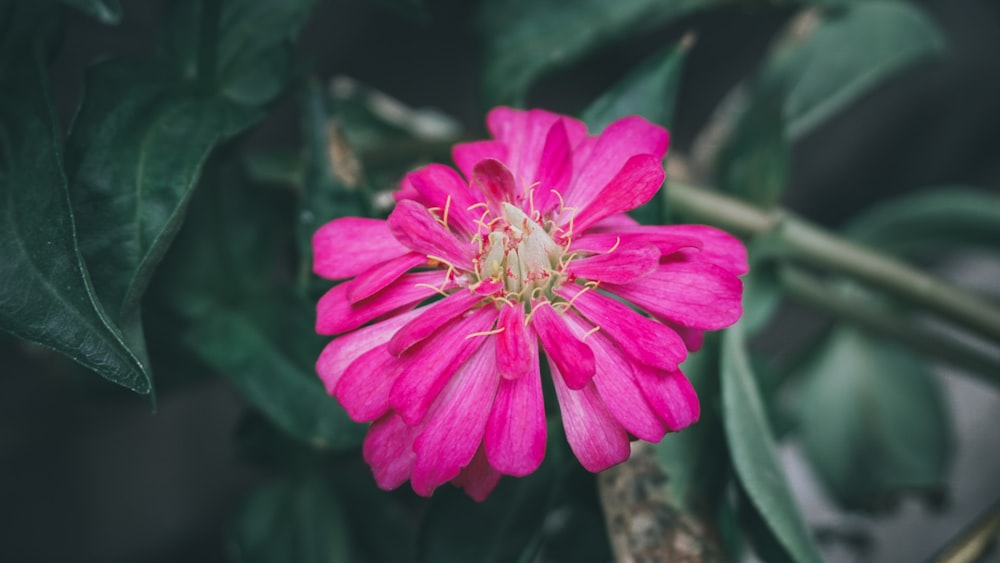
{"points": [[451, 301]]}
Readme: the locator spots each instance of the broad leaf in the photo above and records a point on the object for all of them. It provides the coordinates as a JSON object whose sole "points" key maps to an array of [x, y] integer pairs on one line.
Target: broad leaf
{"points": [[527, 38], [105, 11], [754, 453], [45, 289], [873, 421], [301, 519], [850, 53], [753, 162]]}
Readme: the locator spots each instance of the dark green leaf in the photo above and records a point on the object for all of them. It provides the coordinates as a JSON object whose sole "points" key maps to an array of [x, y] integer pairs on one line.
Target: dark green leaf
{"points": [[873, 421], [134, 156], [850, 53], [650, 90], [753, 162], [27, 25], [932, 221], [272, 380], [527, 38], [301, 520], [754, 454], [105, 11], [254, 44], [45, 290]]}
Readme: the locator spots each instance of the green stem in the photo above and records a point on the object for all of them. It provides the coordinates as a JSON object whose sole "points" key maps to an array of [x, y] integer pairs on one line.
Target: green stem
{"points": [[812, 291], [818, 247], [208, 43]]}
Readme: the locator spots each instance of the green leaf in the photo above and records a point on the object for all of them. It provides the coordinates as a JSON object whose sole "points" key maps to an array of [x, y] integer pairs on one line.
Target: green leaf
{"points": [[650, 90], [527, 38], [272, 380], [754, 453], [254, 44], [930, 222], [29, 27], [301, 520], [754, 160], [45, 290], [105, 11], [850, 53], [134, 155], [873, 421]]}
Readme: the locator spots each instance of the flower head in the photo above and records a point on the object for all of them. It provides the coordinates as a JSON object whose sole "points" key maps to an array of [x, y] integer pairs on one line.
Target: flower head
{"points": [[452, 301]]}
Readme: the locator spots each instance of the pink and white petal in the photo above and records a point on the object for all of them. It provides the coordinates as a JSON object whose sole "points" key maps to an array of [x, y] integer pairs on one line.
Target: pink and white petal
{"points": [[634, 184], [574, 358], [363, 390], [607, 241], [455, 425], [515, 432], [479, 478], [495, 182], [379, 276], [442, 188], [608, 154], [671, 396], [388, 449], [555, 169], [642, 338], [348, 246], [625, 264], [434, 361], [343, 350], [517, 351], [615, 385], [335, 313], [696, 295], [431, 318], [717, 246], [466, 155], [414, 226], [596, 438]]}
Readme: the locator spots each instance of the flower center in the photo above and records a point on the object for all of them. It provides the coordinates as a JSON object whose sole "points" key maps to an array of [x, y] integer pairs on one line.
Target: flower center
{"points": [[521, 255]]}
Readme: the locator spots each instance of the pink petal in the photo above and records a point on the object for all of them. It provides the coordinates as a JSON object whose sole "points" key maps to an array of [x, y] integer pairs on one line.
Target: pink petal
{"points": [[717, 247], [695, 295], [414, 226], [671, 396], [603, 242], [347, 246], [495, 182], [597, 164], [640, 337], [596, 438], [634, 185], [441, 187], [515, 432], [625, 264], [456, 423], [388, 449], [434, 362], [378, 277], [574, 358], [693, 338], [363, 390], [407, 191], [615, 385], [554, 169], [514, 344], [342, 351], [479, 478], [432, 318], [466, 155], [613, 223], [335, 313]]}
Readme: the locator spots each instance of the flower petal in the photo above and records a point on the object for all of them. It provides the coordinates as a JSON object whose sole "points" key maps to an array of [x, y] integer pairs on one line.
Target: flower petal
{"points": [[574, 358], [717, 247], [414, 226], [479, 478], [388, 449], [596, 438], [335, 313], [431, 318], [624, 264], [456, 423], [434, 362], [514, 344], [441, 187], [671, 396], [633, 185], [515, 432], [466, 155], [606, 241], [342, 351], [495, 181], [640, 337], [555, 169], [692, 294], [363, 390], [379, 276], [348, 246]]}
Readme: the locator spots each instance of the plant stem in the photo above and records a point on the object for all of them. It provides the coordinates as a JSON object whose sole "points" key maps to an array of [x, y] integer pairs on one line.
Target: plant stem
{"points": [[812, 291], [208, 43], [815, 246]]}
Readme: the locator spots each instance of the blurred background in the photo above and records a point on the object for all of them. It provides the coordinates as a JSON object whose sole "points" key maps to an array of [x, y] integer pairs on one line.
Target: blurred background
{"points": [[88, 473]]}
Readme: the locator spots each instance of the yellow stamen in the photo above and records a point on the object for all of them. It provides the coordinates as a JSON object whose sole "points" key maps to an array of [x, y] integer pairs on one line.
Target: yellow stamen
{"points": [[591, 331]]}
